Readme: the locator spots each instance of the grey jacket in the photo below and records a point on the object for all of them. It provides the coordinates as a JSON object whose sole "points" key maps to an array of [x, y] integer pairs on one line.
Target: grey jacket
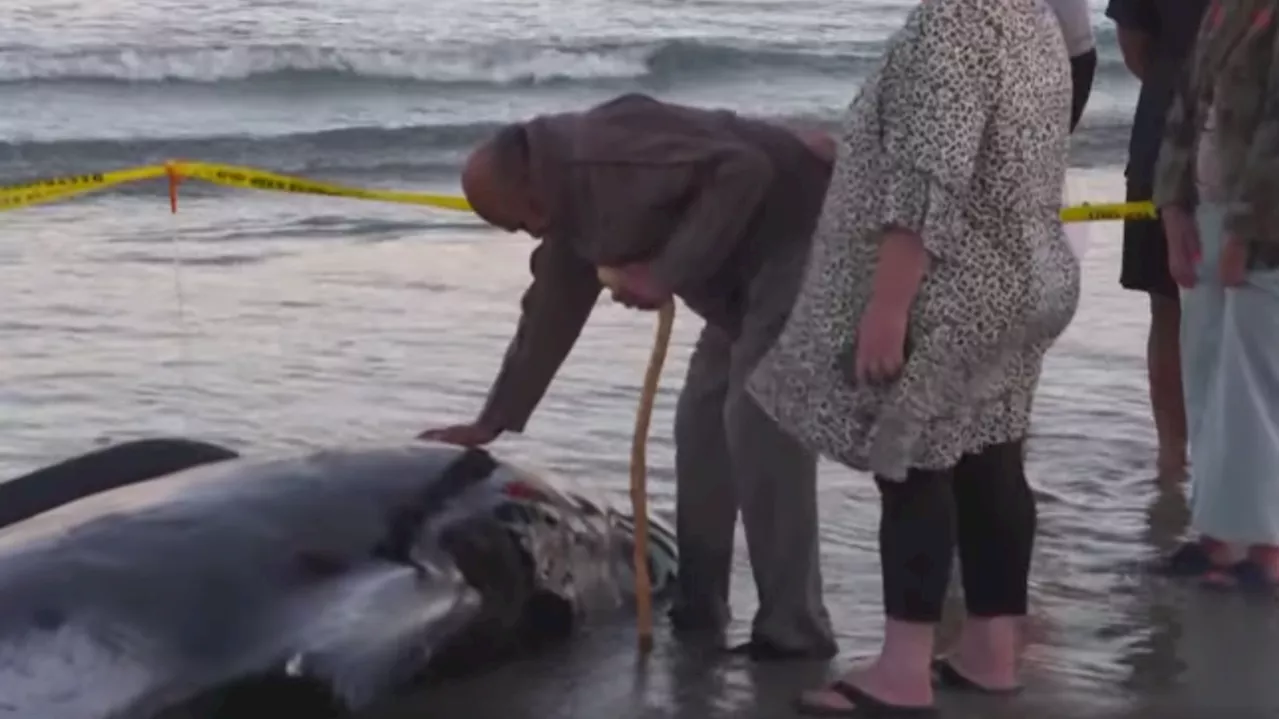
{"points": [[705, 196]]}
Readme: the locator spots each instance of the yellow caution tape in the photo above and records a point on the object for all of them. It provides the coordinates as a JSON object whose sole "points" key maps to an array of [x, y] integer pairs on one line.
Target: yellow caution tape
{"points": [[1109, 211], [42, 191], [59, 188], [254, 179]]}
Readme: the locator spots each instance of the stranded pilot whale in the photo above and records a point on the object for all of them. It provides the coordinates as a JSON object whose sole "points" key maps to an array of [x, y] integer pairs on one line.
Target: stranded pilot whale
{"points": [[337, 576]]}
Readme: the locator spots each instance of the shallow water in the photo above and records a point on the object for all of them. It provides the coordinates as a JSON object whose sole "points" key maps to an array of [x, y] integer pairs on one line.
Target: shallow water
{"points": [[307, 321]]}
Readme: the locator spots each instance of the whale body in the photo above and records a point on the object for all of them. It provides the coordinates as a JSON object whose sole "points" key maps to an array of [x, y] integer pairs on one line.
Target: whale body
{"points": [[338, 577]]}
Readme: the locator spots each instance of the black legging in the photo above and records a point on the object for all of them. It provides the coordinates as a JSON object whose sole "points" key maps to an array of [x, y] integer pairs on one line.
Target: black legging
{"points": [[985, 507]]}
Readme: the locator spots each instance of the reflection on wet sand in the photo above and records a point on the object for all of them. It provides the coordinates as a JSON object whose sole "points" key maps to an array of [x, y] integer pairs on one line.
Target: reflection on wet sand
{"points": [[1152, 657], [1166, 651]]}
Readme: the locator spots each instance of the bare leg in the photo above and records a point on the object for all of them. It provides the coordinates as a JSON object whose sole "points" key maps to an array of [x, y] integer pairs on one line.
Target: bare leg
{"points": [[1164, 374], [995, 529]]}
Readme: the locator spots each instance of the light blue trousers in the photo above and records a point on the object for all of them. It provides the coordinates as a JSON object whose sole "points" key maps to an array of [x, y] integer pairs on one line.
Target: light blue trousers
{"points": [[1229, 377]]}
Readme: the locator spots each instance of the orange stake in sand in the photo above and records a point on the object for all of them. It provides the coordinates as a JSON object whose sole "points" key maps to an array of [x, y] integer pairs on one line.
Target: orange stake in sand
{"points": [[175, 178], [639, 470]]}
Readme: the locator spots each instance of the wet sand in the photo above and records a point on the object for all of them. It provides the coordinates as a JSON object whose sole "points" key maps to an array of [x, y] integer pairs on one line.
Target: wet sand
{"points": [[298, 337]]}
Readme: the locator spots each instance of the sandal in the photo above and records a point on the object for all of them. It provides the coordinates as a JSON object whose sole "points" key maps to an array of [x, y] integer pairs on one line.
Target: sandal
{"points": [[762, 650], [1191, 559], [863, 705], [1246, 576], [946, 676]]}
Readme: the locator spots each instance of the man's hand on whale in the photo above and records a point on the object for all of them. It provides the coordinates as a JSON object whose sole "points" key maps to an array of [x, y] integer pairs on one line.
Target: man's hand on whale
{"points": [[631, 285], [463, 435]]}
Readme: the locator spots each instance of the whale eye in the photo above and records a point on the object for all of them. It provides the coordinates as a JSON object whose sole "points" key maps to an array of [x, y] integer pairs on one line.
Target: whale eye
{"points": [[319, 565]]}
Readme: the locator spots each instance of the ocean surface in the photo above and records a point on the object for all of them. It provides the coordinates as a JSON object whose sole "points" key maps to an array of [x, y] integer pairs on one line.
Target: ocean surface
{"points": [[270, 321]]}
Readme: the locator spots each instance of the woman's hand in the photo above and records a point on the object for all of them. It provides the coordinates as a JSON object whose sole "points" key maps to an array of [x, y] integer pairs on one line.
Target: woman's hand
{"points": [[882, 331], [1183, 242], [882, 341], [1233, 262]]}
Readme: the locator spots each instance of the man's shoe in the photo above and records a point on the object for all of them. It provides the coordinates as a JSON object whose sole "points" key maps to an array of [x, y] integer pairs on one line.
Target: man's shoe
{"points": [[763, 650], [691, 623]]}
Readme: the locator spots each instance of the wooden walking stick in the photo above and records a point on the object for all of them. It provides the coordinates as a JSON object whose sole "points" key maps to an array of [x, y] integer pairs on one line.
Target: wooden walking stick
{"points": [[639, 470]]}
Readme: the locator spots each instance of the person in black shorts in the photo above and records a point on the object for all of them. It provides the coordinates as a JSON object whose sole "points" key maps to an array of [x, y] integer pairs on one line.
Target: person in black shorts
{"points": [[1077, 32], [1156, 38]]}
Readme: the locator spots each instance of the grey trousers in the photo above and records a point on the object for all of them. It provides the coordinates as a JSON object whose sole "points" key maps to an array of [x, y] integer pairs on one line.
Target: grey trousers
{"points": [[731, 457]]}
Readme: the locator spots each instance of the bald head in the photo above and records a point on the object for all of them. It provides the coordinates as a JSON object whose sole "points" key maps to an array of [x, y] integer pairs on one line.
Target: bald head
{"points": [[495, 180]]}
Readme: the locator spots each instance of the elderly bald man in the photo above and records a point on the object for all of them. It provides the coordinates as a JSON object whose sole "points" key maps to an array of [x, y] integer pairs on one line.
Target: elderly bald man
{"points": [[718, 210]]}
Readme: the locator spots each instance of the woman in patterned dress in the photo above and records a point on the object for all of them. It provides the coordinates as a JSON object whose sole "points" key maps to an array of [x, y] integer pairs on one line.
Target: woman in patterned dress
{"points": [[938, 278], [1216, 189]]}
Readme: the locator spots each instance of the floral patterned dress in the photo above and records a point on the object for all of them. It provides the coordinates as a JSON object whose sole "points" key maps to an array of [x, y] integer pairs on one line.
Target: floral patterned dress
{"points": [[961, 136]]}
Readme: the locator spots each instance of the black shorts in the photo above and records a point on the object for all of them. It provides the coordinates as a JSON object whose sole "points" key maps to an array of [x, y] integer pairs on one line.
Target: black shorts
{"points": [[1144, 265]]}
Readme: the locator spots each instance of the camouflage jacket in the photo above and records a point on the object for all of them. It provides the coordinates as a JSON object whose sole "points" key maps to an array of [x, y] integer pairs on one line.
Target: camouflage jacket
{"points": [[1232, 70]]}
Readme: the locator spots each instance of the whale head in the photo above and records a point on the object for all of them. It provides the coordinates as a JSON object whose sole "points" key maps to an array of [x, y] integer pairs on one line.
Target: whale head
{"points": [[339, 576]]}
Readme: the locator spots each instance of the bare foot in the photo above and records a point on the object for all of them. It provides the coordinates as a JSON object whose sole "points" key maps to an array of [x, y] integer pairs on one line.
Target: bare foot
{"points": [[1267, 557], [1257, 572], [987, 652], [1220, 553]]}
